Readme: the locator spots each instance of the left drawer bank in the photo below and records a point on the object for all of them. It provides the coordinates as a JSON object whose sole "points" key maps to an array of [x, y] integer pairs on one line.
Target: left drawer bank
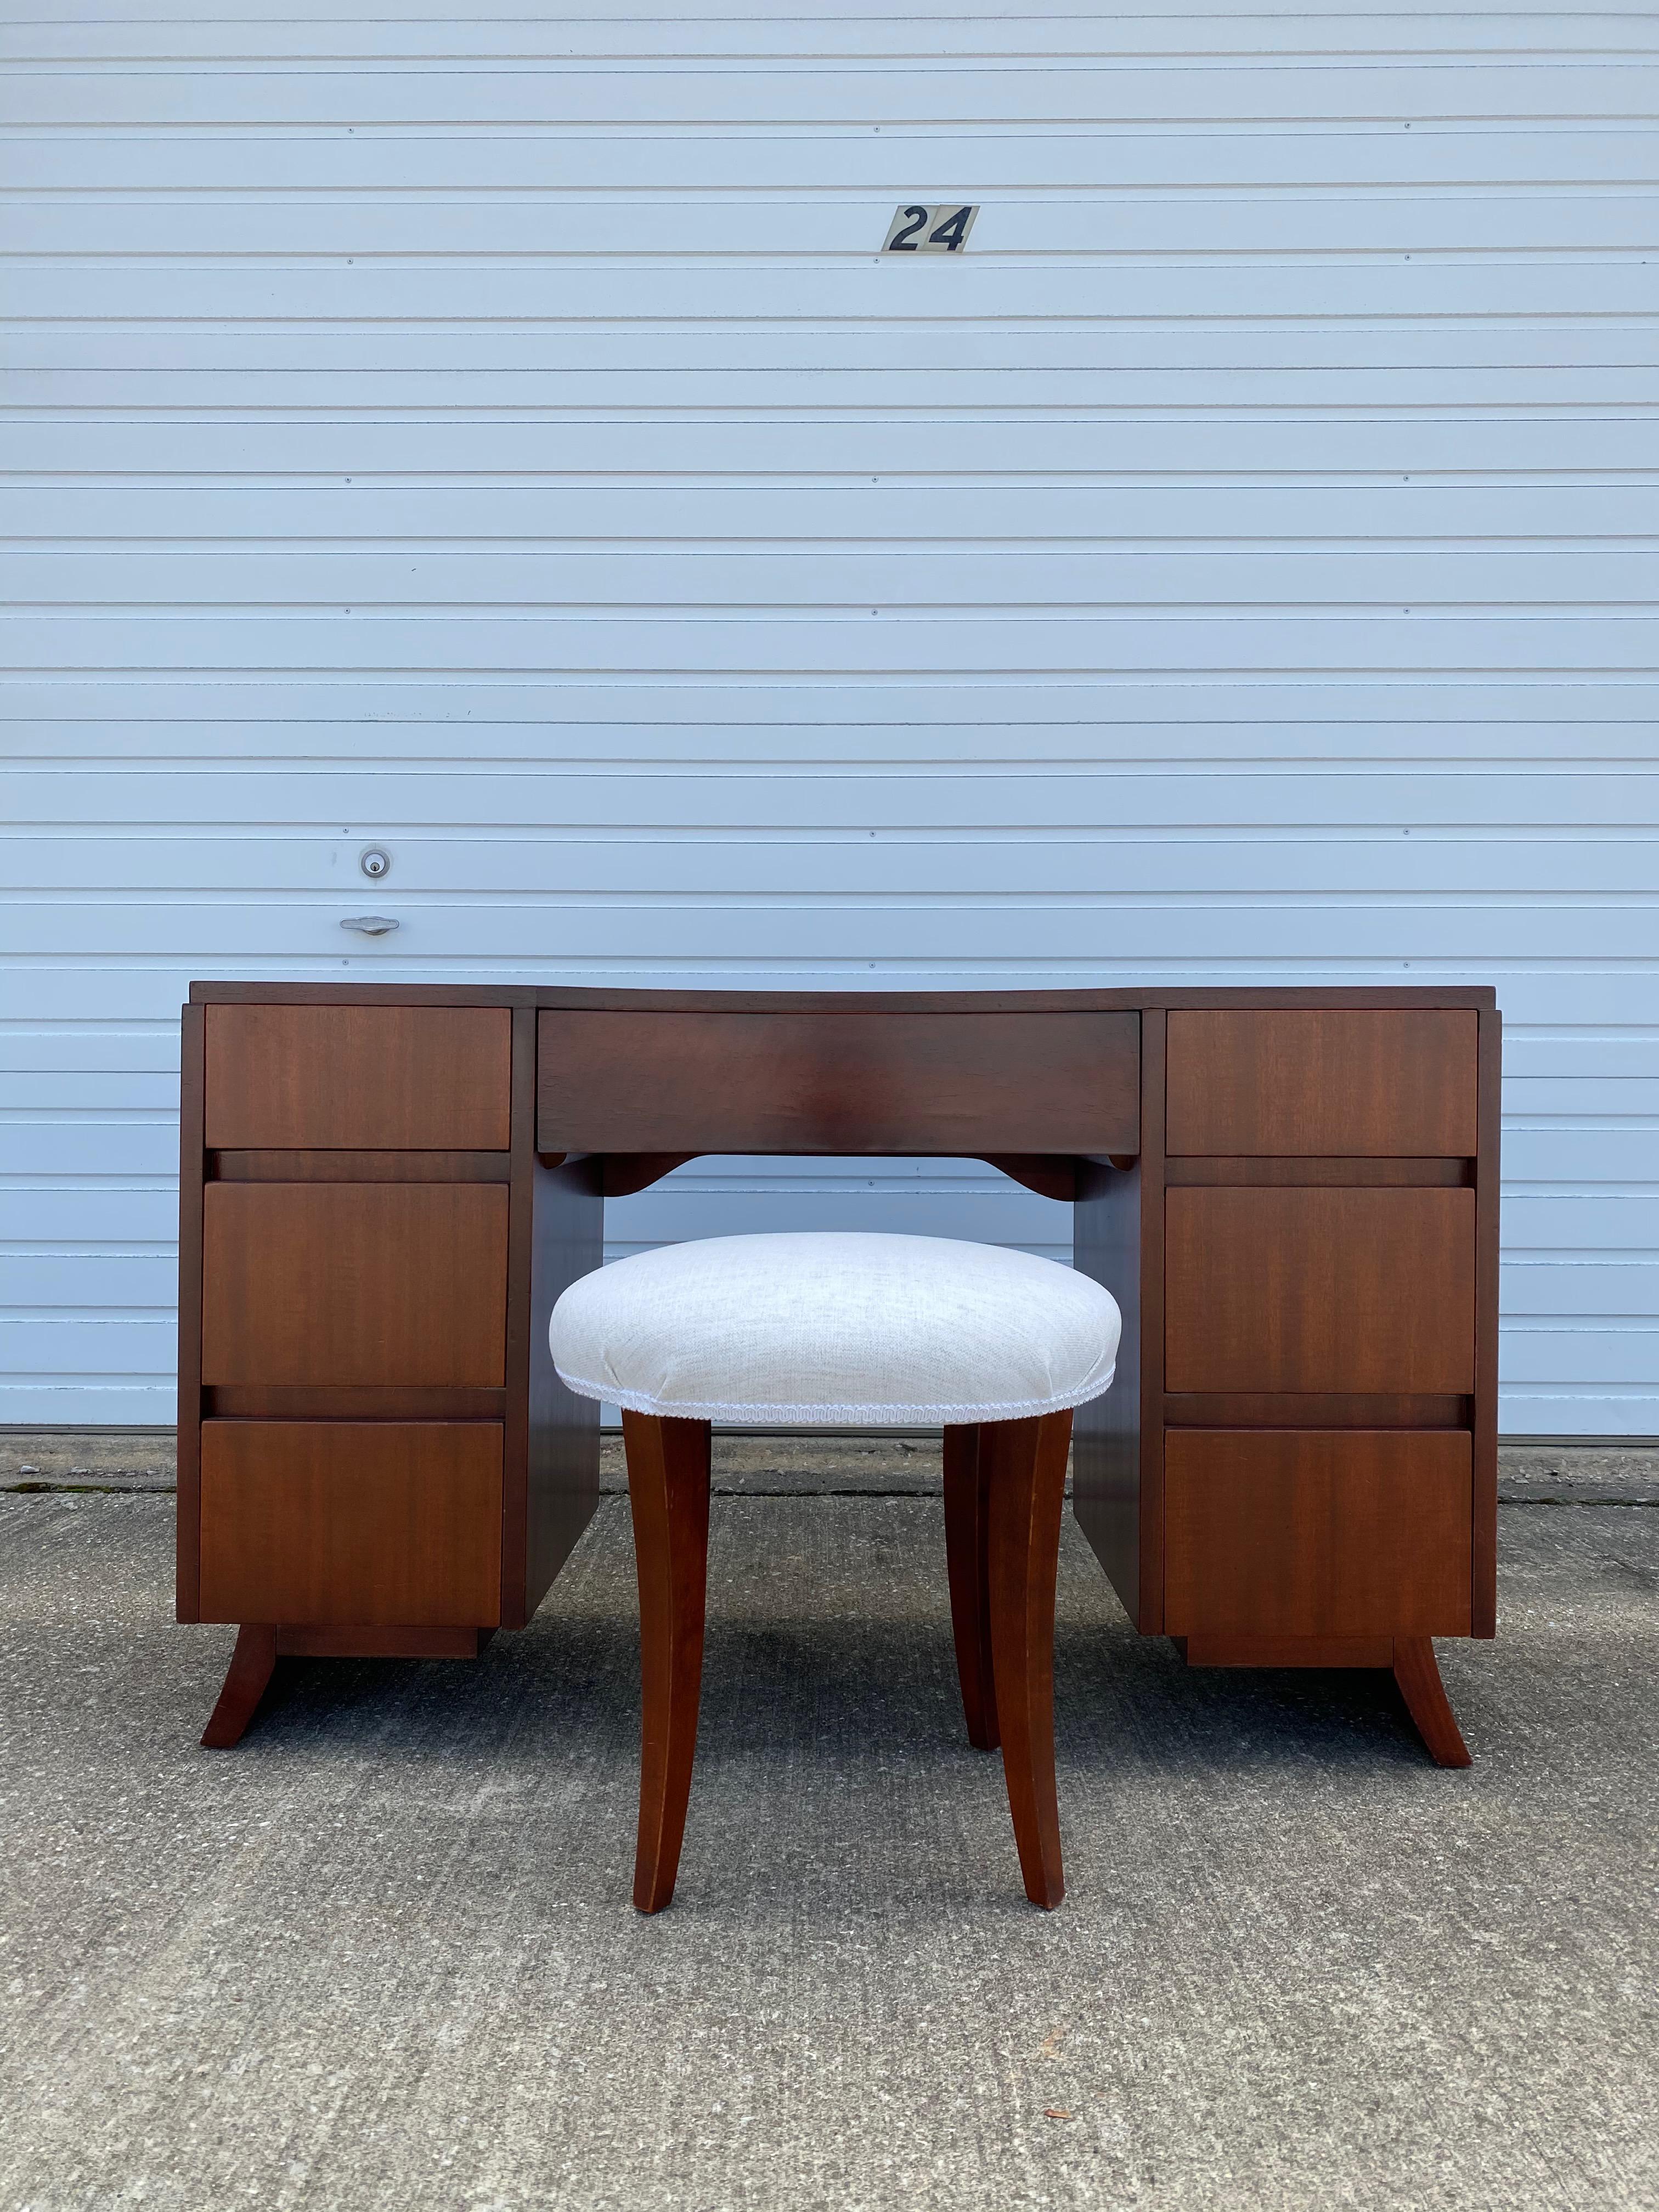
{"points": [[357, 1469]]}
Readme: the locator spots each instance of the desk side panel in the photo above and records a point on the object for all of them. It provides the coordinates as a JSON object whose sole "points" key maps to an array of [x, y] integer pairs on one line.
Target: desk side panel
{"points": [[1117, 1468], [191, 1168], [1486, 1189], [1106, 1433], [564, 1430]]}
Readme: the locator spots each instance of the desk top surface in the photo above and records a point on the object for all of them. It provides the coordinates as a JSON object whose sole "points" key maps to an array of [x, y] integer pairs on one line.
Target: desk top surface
{"points": [[602, 998]]}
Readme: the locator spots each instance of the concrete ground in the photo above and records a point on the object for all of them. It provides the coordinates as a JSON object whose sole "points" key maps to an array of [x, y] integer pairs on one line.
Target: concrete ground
{"points": [[383, 1955]]}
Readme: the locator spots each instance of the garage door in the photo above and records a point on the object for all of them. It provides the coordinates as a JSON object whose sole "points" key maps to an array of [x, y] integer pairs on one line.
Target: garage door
{"points": [[505, 442]]}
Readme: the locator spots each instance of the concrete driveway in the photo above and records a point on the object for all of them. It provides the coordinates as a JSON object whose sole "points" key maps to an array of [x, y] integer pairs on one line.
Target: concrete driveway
{"points": [[383, 1955]]}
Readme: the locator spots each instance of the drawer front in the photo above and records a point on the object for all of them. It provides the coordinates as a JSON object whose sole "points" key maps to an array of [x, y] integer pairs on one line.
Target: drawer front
{"points": [[1314, 1533], [333, 1284], [1395, 1082], [713, 1082], [359, 1078], [1273, 1289], [376, 1524]]}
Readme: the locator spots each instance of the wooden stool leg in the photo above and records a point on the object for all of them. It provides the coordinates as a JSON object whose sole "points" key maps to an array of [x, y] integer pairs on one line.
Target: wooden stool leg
{"points": [[668, 1489], [1418, 1672], [1027, 1490], [247, 1677], [968, 1560]]}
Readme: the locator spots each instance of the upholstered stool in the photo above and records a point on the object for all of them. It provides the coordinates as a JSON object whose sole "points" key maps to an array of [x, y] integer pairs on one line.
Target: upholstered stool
{"points": [[870, 1331]]}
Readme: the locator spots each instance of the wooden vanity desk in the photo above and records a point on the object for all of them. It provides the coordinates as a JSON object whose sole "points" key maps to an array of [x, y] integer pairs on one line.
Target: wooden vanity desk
{"points": [[1292, 1194]]}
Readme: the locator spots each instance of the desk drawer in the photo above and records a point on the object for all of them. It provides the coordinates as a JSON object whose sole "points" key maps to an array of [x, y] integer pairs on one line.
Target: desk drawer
{"points": [[1311, 1533], [358, 1078], [331, 1284], [838, 1082], [1346, 1290], [1332, 1082], [370, 1522]]}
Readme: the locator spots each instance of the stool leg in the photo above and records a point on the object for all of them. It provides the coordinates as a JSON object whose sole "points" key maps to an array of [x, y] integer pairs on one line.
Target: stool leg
{"points": [[1027, 1487], [668, 1491], [968, 1560]]}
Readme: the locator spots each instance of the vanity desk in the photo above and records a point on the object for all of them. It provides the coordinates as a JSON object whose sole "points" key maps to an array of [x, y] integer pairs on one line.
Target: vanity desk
{"points": [[1292, 1194]]}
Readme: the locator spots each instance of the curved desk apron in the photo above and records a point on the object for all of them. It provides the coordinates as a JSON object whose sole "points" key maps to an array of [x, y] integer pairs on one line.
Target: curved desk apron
{"points": [[1292, 1194]]}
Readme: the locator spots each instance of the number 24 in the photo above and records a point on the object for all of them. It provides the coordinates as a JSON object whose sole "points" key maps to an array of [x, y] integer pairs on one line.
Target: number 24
{"points": [[948, 233]]}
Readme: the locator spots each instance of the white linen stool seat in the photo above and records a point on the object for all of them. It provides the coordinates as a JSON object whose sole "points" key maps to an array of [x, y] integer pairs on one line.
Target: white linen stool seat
{"points": [[891, 1331], [995, 1345]]}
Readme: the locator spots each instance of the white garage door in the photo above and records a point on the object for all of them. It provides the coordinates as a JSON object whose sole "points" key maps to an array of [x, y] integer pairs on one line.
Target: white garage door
{"points": [[504, 440]]}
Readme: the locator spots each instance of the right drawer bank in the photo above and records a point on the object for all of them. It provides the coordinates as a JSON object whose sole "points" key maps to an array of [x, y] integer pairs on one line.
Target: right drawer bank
{"points": [[1319, 1331]]}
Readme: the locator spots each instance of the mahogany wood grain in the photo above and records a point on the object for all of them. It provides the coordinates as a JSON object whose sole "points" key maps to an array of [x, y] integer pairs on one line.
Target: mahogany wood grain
{"points": [[968, 1561], [1366, 1290], [368, 1078], [1206, 1650], [407, 1401], [568, 1225], [371, 1522], [1117, 1454], [1359, 1533], [1310, 1409], [1447, 1174], [273, 1166], [1347, 1122], [188, 1480], [1049, 1175], [519, 1324], [359, 1640], [622, 1174], [1108, 1432], [587, 997], [267, 994], [253, 1663], [326, 1284], [1417, 1671], [1153, 1298], [1026, 1485], [849, 1082], [1322, 1080], [668, 1467], [1484, 1564]]}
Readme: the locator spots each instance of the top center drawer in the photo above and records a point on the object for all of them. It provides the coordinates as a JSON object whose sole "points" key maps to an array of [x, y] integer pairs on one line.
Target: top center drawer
{"points": [[779, 1081], [359, 1078]]}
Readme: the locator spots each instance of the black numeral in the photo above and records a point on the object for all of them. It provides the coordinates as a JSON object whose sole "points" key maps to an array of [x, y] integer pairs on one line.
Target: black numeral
{"points": [[901, 240], [949, 234]]}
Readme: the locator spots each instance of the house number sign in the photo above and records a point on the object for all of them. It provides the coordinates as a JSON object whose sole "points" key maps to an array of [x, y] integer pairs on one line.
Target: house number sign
{"points": [[921, 229]]}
